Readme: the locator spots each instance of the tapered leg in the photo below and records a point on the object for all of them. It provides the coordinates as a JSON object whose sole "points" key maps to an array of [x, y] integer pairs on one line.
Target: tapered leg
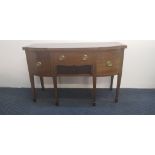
{"points": [[118, 87], [42, 83], [33, 87], [94, 90], [111, 84], [55, 91]]}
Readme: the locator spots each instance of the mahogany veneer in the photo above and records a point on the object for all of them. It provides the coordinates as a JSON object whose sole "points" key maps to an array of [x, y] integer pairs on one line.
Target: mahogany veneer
{"points": [[75, 59]]}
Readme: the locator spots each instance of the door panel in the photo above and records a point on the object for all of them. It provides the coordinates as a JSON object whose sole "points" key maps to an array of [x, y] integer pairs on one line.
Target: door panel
{"points": [[40, 62], [109, 62]]}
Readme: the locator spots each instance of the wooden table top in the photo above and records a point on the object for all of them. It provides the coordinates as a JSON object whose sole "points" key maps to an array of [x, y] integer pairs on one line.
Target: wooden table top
{"points": [[78, 45]]}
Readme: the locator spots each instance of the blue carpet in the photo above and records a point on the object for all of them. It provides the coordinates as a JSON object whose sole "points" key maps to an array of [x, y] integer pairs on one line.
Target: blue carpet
{"points": [[14, 101]]}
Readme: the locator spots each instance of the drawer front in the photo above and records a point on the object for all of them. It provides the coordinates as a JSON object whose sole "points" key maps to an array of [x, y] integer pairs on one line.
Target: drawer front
{"points": [[109, 62], [39, 62], [74, 57]]}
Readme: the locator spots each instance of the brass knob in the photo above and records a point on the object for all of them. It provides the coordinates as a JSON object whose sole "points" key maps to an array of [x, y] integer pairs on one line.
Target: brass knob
{"points": [[85, 57], [109, 63], [62, 57], [39, 63]]}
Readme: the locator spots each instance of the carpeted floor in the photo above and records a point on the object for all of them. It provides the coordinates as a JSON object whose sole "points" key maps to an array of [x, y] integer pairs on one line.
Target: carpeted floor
{"points": [[14, 101]]}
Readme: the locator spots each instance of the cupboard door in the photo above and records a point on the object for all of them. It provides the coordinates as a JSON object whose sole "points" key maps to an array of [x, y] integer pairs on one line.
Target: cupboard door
{"points": [[109, 62], [39, 62]]}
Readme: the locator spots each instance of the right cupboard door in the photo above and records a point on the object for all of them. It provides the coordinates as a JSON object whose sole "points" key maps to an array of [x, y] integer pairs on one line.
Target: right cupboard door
{"points": [[109, 62]]}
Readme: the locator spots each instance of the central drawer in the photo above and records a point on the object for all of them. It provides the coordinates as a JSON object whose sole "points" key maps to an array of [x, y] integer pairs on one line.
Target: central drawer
{"points": [[74, 57]]}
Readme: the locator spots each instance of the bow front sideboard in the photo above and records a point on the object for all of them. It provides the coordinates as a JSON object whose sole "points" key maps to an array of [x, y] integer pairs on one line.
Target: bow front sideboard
{"points": [[75, 59]]}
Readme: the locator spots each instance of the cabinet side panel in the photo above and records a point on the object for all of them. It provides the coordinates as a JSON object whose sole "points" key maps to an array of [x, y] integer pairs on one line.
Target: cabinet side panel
{"points": [[30, 56]]}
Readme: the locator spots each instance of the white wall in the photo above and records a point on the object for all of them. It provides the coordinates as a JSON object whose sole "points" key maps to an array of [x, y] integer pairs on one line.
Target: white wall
{"points": [[138, 71]]}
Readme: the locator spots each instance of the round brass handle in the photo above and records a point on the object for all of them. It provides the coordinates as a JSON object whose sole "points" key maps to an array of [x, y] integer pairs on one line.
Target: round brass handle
{"points": [[62, 57], [85, 57], [39, 63], [109, 63]]}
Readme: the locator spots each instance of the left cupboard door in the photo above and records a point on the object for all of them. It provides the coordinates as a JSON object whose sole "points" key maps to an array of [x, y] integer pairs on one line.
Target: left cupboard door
{"points": [[39, 62]]}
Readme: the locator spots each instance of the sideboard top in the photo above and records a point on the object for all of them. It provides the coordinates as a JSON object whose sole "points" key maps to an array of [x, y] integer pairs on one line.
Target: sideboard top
{"points": [[77, 45]]}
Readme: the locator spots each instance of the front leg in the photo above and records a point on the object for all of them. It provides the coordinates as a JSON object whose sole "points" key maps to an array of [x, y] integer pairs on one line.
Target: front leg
{"points": [[33, 87], [42, 83], [111, 83], [94, 90], [119, 76], [55, 91]]}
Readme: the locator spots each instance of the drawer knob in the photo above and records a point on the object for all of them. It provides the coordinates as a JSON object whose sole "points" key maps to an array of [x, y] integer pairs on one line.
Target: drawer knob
{"points": [[62, 57], [109, 63], [39, 63], [85, 57]]}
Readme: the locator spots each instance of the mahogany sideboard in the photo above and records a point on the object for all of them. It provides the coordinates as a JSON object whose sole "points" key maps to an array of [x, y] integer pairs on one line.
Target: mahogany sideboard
{"points": [[75, 59]]}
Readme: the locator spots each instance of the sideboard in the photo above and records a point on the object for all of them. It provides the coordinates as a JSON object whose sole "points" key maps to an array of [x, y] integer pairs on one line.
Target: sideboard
{"points": [[96, 59]]}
